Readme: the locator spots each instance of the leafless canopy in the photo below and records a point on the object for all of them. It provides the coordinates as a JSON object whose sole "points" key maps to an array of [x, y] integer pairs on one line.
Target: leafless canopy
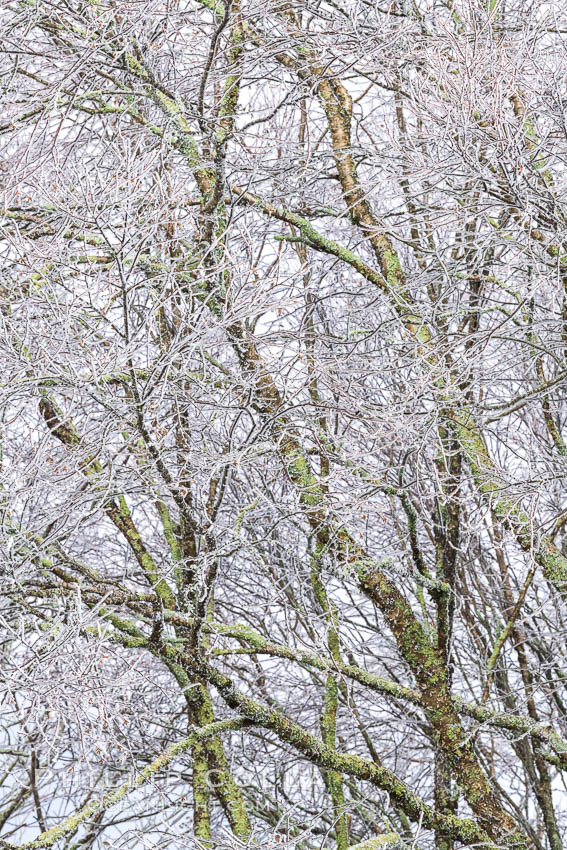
{"points": [[283, 350]]}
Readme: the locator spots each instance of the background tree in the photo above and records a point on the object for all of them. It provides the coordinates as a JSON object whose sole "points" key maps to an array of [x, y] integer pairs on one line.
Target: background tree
{"points": [[283, 340]]}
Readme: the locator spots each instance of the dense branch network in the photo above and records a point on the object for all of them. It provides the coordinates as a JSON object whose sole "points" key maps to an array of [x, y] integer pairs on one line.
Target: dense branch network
{"points": [[283, 331]]}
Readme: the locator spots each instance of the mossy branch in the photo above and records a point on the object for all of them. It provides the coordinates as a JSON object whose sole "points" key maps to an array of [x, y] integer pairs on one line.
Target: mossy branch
{"points": [[314, 749], [492, 486], [117, 511], [71, 823]]}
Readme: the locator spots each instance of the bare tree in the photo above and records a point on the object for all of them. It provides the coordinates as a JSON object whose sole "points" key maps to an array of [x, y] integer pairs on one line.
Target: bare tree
{"points": [[283, 337]]}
